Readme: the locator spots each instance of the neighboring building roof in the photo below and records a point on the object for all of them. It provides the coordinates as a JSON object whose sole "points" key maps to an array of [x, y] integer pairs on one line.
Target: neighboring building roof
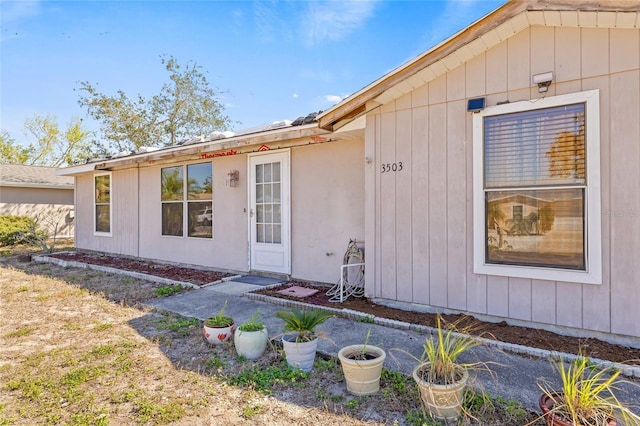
{"points": [[499, 25], [33, 177]]}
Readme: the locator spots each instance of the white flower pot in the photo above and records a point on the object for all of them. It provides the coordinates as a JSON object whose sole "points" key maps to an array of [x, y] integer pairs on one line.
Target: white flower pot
{"points": [[300, 355], [217, 335], [251, 344]]}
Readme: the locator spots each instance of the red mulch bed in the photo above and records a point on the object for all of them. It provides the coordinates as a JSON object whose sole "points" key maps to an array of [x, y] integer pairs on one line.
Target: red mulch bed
{"points": [[177, 273], [501, 331]]}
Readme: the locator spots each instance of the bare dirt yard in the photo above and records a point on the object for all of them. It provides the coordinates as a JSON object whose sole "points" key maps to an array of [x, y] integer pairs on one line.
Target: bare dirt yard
{"points": [[80, 348]]}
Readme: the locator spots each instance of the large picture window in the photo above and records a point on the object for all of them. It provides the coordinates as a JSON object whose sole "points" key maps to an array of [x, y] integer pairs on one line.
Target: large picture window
{"points": [[102, 203], [536, 189], [187, 200]]}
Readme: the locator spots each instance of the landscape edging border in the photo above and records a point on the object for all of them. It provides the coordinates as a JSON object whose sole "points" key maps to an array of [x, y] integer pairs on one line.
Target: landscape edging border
{"points": [[107, 269], [626, 370]]}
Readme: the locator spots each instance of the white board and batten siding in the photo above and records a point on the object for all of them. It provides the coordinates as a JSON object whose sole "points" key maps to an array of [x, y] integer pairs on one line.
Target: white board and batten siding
{"points": [[421, 217], [124, 214]]}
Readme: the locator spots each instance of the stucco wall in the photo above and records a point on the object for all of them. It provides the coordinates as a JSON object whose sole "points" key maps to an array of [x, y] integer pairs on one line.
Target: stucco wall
{"points": [[228, 247], [327, 209], [327, 193], [52, 208], [421, 218]]}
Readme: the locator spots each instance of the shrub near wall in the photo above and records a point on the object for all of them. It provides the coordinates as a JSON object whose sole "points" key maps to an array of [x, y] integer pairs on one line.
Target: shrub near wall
{"points": [[14, 227]]}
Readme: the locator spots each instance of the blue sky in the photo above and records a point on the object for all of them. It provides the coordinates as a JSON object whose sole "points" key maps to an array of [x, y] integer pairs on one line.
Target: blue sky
{"points": [[270, 60]]}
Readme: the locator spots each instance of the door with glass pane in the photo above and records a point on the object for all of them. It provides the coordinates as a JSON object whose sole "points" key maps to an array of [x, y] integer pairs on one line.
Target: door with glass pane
{"points": [[269, 212]]}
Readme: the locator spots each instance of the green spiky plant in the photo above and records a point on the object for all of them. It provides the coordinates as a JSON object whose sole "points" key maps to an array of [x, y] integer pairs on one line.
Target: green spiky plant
{"points": [[303, 323], [442, 353], [252, 325], [587, 396], [220, 320]]}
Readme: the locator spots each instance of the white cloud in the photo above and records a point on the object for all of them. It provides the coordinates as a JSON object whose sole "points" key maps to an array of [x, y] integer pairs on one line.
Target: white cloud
{"points": [[17, 10], [334, 98], [265, 18], [295, 96], [273, 19], [13, 14], [334, 20]]}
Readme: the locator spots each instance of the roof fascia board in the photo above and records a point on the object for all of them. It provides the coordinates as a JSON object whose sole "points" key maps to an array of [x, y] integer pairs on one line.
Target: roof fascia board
{"points": [[436, 58], [195, 150], [585, 5], [232, 151], [76, 170]]}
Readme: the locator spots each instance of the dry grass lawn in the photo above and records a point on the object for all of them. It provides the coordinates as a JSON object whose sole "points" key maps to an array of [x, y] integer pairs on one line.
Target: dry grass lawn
{"points": [[78, 348], [70, 356]]}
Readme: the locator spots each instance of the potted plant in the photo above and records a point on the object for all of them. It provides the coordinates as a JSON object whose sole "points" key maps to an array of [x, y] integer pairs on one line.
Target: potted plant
{"points": [[300, 346], [362, 367], [219, 328], [440, 377], [585, 399], [250, 338]]}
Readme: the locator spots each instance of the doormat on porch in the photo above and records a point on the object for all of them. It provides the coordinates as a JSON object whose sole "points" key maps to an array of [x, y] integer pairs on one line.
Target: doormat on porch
{"points": [[298, 291], [258, 280]]}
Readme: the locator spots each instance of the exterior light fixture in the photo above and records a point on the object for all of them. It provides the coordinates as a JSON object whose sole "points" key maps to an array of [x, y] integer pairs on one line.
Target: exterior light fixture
{"points": [[232, 178], [543, 81]]}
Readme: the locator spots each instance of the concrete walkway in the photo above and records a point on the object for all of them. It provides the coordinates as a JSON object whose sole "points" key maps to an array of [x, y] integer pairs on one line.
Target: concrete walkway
{"points": [[516, 369]]}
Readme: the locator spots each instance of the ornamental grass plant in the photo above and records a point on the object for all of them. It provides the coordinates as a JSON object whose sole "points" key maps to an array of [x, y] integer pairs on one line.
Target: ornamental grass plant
{"points": [[440, 355], [587, 395]]}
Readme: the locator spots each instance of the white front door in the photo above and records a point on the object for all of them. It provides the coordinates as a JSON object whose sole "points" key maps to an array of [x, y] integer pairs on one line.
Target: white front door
{"points": [[269, 226]]}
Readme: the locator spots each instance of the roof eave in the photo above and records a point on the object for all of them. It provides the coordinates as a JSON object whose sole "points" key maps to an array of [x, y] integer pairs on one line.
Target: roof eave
{"points": [[247, 140], [366, 99]]}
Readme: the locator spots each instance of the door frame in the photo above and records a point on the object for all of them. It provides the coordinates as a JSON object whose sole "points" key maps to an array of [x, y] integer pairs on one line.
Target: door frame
{"points": [[284, 156]]}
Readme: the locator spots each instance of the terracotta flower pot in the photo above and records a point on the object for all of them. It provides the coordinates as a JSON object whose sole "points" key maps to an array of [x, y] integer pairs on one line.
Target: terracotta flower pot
{"points": [[546, 404], [442, 401], [362, 375]]}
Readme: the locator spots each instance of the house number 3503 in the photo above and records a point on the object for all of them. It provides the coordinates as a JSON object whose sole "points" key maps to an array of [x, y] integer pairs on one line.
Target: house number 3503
{"points": [[391, 167]]}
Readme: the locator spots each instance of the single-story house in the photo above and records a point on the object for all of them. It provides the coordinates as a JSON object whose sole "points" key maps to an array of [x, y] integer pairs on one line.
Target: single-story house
{"points": [[282, 199], [538, 100], [38, 192]]}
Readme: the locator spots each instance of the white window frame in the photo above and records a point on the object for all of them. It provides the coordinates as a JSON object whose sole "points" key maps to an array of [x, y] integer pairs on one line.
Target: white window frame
{"points": [[185, 201], [592, 225], [95, 204]]}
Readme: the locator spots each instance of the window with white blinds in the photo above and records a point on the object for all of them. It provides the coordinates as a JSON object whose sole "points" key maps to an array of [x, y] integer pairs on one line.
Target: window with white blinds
{"points": [[536, 208], [535, 148]]}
